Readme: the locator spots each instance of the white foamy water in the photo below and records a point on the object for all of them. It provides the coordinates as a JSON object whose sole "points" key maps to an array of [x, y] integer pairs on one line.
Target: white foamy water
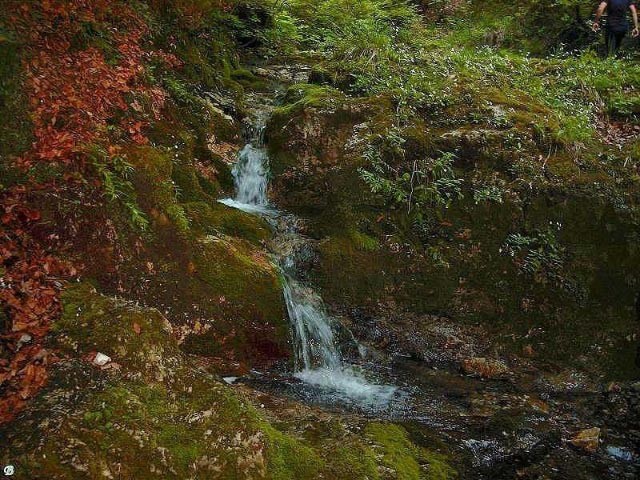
{"points": [[313, 333], [317, 358], [350, 384], [250, 174], [248, 207]]}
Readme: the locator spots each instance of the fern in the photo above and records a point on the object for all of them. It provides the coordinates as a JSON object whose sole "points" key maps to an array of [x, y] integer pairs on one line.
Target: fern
{"points": [[423, 183], [115, 175]]}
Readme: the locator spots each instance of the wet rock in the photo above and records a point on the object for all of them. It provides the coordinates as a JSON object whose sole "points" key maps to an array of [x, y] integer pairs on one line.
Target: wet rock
{"points": [[587, 439], [284, 73], [484, 367], [539, 405], [566, 381], [222, 101]]}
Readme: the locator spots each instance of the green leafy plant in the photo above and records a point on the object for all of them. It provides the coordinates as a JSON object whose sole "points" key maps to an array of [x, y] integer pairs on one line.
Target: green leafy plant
{"points": [[488, 193], [115, 174], [539, 254], [420, 183]]}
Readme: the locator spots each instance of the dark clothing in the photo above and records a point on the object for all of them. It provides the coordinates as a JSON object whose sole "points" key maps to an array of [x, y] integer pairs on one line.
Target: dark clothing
{"points": [[617, 13], [613, 40], [617, 24]]}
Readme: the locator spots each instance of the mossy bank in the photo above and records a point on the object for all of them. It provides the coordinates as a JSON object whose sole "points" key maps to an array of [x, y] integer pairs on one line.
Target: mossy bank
{"points": [[150, 412]]}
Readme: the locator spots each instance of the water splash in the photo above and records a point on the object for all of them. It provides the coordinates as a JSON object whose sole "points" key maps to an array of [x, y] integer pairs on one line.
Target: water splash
{"points": [[265, 210], [349, 385]]}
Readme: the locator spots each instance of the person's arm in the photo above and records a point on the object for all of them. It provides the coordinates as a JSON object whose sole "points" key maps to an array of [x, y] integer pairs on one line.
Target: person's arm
{"points": [[601, 8], [634, 12]]}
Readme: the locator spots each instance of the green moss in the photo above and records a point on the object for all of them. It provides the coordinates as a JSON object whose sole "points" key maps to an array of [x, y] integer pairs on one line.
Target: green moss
{"points": [[218, 218], [364, 242], [194, 427], [154, 163], [247, 79], [352, 460], [244, 314], [350, 274], [564, 168], [409, 461], [237, 269], [16, 134], [307, 95], [142, 431], [156, 192], [152, 177], [92, 322], [189, 185], [289, 458]]}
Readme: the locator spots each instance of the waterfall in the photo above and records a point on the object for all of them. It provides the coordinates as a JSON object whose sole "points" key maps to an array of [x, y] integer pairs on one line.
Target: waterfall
{"points": [[317, 359], [250, 172], [313, 336]]}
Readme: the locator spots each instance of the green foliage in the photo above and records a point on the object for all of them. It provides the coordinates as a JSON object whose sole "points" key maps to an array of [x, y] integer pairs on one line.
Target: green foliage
{"points": [[303, 95], [178, 218], [115, 173], [378, 47], [284, 36], [423, 183], [539, 254], [488, 193]]}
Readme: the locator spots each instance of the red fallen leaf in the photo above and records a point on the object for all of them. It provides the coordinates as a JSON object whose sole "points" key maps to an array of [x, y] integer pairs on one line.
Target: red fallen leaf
{"points": [[34, 378], [73, 96], [32, 215], [136, 328]]}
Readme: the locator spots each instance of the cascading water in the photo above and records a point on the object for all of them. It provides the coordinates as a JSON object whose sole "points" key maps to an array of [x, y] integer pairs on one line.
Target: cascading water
{"points": [[314, 340], [317, 358], [250, 173]]}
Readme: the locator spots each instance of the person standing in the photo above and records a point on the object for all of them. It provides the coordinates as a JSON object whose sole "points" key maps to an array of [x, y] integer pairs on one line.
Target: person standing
{"points": [[617, 22]]}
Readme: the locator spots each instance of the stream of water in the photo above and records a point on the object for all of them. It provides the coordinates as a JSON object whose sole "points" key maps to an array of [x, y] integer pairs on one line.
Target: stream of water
{"points": [[317, 358]]}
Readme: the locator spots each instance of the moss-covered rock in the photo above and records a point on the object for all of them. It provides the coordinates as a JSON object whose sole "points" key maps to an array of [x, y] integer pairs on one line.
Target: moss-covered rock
{"points": [[405, 460], [218, 218], [312, 127], [223, 296], [137, 339]]}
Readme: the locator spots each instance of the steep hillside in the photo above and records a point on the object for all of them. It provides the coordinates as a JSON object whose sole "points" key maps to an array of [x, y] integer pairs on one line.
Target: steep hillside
{"points": [[465, 180]]}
